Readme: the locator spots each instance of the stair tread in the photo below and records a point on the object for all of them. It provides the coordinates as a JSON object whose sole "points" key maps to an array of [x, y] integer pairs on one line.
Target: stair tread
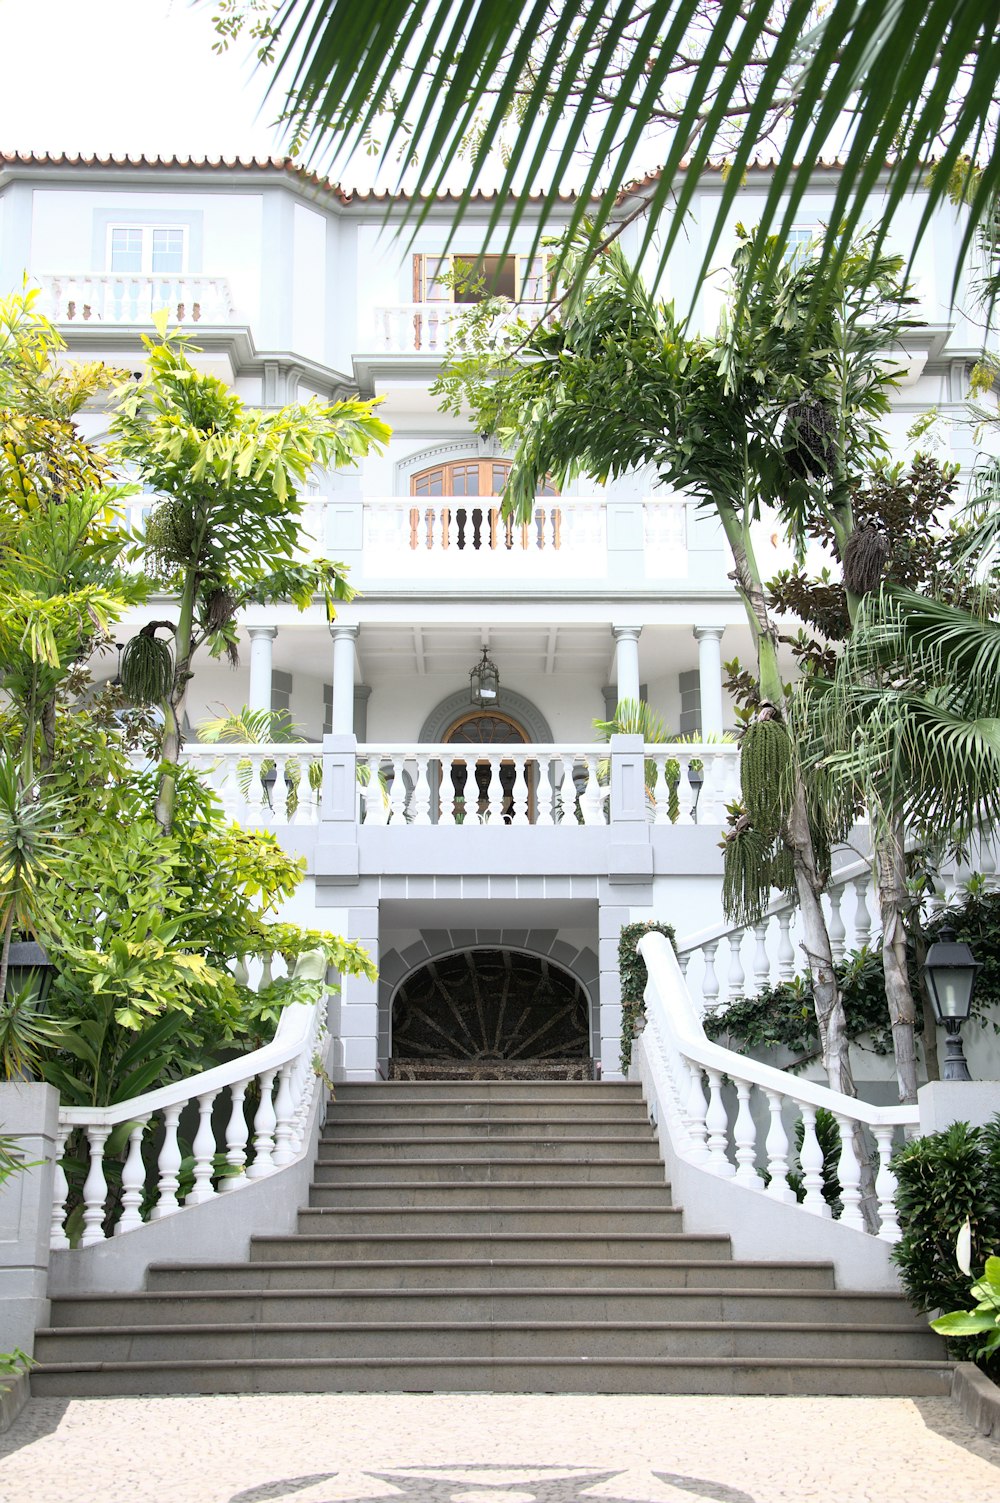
{"points": [[446, 1326], [793, 1363], [595, 1291]]}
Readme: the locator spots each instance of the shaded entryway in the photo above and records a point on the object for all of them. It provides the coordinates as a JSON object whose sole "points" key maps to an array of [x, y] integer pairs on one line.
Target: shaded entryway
{"points": [[491, 1014]]}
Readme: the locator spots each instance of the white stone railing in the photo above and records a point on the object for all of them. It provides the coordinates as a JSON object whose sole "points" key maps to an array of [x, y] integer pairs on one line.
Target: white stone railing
{"points": [[462, 536], [747, 1131], [262, 785], [120, 298], [423, 328], [282, 1075]]}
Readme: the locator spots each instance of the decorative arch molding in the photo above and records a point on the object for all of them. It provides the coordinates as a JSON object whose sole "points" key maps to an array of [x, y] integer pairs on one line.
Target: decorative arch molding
{"points": [[470, 446], [516, 705]]}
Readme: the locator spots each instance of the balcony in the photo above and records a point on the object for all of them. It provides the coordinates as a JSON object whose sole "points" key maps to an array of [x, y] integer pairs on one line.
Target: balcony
{"points": [[423, 328], [113, 299]]}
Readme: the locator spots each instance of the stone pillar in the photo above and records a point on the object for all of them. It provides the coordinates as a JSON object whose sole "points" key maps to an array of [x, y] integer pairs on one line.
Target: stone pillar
{"points": [[261, 657], [344, 638], [29, 1113], [627, 661], [709, 639]]}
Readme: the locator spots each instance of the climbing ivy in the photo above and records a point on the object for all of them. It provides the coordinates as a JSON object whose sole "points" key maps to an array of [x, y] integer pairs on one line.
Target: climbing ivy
{"points": [[633, 976]]}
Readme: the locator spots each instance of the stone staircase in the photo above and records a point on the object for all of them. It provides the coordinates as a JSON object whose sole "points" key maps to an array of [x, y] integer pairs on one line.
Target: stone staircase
{"points": [[506, 1237]]}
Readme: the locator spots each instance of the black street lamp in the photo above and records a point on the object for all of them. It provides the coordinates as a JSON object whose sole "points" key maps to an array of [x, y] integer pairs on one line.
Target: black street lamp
{"points": [[28, 965], [484, 684], [950, 971]]}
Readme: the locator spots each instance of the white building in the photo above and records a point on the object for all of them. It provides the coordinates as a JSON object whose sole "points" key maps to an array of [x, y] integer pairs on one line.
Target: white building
{"points": [[294, 287]]}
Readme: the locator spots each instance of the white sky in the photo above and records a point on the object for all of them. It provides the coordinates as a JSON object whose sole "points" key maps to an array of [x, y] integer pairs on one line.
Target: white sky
{"points": [[126, 77]]}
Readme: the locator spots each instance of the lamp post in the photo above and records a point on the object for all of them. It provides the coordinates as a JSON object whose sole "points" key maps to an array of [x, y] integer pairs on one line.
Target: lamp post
{"points": [[950, 970]]}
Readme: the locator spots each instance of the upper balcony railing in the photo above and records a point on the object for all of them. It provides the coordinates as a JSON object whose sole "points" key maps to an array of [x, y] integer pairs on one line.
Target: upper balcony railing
{"points": [[117, 298], [423, 328]]}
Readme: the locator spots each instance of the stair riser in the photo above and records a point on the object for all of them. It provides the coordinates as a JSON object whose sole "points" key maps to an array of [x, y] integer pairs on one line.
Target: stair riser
{"points": [[613, 1130], [459, 1112], [586, 1343], [579, 1092], [344, 1149], [459, 1220], [497, 1171], [403, 1308], [923, 1381], [488, 1196], [512, 1275], [484, 1247]]}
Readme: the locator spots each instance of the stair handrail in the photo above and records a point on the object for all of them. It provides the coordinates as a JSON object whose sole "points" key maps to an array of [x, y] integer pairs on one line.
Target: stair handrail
{"points": [[676, 1053], [278, 1126]]}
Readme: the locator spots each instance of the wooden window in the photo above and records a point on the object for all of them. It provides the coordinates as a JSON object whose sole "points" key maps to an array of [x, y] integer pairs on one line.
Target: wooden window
{"points": [[468, 477], [523, 279]]}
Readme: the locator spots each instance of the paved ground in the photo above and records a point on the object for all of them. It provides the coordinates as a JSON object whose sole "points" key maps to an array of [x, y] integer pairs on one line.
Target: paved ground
{"points": [[495, 1449]]}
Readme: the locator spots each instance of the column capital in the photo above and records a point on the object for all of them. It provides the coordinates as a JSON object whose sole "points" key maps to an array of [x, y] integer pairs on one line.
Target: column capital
{"points": [[707, 633], [342, 629], [626, 633], [265, 632]]}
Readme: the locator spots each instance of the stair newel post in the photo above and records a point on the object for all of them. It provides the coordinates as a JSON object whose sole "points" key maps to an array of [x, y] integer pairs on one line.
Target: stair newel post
{"points": [[849, 1174], [786, 951], [60, 1190], [710, 981], [886, 1186], [263, 1130], [776, 1147], [168, 1165], [717, 1124], [838, 932], [544, 792], [133, 1180], [284, 1114], [695, 1115], [761, 961], [736, 980], [95, 1188], [745, 1140], [236, 1138], [204, 1152], [811, 1160]]}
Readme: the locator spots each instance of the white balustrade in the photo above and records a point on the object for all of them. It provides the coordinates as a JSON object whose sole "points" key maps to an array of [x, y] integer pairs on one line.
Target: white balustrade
{"points": [[160, 1120], [676, 1060], [423, 328], [457, 536], [123, 298], [261, 786]]}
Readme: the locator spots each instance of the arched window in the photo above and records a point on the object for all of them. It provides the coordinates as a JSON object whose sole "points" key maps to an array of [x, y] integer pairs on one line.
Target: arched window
{"points": [[468, 477]]}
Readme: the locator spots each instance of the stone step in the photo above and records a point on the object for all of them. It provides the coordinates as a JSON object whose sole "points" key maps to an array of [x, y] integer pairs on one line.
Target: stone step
{"points": [[465, 1219], [583, 1340], [226, 1305], [503, 1171], [486, 1245], [469, 1194], [723, 1375], [460, 1129], [461, 1110], [481, 1090], [621, 1273], [440, 1144]]}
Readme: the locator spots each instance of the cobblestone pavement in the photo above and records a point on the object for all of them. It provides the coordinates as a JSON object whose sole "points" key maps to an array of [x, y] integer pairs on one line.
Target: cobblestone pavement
{"points": [[484, 1448]]}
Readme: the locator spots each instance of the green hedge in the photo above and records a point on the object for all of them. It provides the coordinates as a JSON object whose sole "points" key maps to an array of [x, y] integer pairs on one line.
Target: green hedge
{"points": [[632, 972]]}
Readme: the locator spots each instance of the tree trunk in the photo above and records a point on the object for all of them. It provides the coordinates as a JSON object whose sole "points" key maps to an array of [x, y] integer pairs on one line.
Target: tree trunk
{"points": [[931, 1062], [8, 930], [894, 903]]}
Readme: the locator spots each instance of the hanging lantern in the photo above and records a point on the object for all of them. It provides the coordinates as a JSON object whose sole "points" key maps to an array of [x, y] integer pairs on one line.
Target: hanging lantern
{"points": [[484, 684]]}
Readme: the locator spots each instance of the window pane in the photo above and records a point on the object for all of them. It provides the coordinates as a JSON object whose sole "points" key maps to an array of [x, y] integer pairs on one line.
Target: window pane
{"points": [[435, 289], [168, 251], [126, 250], [534, 279], [430, 483], [500, 473], [465, 480]]}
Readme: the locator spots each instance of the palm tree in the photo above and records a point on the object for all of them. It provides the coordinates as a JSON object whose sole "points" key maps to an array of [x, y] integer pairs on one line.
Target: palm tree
{"points": [[553, 84]]}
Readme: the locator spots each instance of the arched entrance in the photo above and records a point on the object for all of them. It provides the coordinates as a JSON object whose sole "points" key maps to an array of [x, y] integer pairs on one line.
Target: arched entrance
{"points": [[490, 1014]]}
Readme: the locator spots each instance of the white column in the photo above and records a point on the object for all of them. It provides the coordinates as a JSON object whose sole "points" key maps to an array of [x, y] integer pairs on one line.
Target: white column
{"points": [[261, 653], [627, 661], [344, 638], [709, 639]]}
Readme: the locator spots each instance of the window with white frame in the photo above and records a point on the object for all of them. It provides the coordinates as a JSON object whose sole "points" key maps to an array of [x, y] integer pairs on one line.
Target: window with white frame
{"points": [[147, 249], [524, 279], [797, 243]]}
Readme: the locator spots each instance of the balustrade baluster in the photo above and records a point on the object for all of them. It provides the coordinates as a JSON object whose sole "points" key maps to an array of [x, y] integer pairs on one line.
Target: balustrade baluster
{"points": [[519, 792], [736, 981], [229, 786], [684, 960], [717, 1124], [761, 962], [811, 1160], [95, 1188], [591, 801], [695, 1115], [376, 812], [786, 951], [257, 809], [446, 791], [684, 792], [544, 793], [776, 1147], [263, 1128], [133, 1181], [745, 1140], [710, 981], [494, 792], [849, 1174], [710, 808], [279, 790], [168, 1166], [837, 931], [567, 792], [60, 1190], [204, 1153], [987, 861], [420, 804], [398, 798], [886, 1186], [237, 1133], [661, 789], [862, 918], [284, 1114]]}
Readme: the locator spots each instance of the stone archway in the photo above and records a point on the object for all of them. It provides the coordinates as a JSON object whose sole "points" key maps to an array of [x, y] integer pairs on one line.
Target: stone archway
{"points": [[490, 1014]]}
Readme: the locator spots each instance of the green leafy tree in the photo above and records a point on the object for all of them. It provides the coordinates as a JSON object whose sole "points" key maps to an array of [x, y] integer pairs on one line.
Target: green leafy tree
{"points": [[226, 531]]}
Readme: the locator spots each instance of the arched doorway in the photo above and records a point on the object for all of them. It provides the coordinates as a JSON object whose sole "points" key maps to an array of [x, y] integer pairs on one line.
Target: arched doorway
{"points": [[490, 1014]]}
